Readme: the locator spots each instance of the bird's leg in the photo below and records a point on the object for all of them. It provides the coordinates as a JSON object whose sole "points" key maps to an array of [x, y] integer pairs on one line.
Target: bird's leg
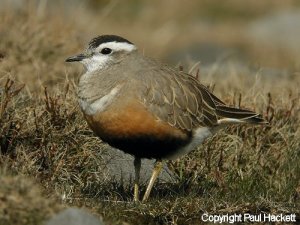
{"points": [[137, 168], [156, 171]]}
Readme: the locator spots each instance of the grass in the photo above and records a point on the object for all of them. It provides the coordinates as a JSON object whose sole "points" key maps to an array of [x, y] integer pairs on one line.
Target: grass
{"points": [[50, 159]]}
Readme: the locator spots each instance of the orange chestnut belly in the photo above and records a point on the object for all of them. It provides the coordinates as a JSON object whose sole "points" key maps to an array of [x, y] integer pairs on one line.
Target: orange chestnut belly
{"points": [[135, 131]]}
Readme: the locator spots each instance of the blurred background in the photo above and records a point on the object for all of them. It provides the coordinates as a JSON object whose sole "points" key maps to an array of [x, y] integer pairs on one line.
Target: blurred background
{"points": [[217, 37]]}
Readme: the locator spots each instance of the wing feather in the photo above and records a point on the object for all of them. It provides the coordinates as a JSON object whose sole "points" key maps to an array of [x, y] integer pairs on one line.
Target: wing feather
{"points": [[178, 99]]}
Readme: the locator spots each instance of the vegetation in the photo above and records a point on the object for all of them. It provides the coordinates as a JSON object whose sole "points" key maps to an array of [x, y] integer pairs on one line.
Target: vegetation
{"points": [[50, 159]]}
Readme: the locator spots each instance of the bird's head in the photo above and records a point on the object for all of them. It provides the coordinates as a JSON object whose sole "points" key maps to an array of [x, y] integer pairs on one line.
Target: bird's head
{"points": [[103, 51]]}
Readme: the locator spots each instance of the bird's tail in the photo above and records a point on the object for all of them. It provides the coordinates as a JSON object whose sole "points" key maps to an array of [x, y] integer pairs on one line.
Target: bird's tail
{"points": [[234, 115]]}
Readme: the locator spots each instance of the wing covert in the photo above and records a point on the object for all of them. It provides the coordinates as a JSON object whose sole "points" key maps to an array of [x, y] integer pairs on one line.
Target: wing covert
{"points": [[178, 99]]}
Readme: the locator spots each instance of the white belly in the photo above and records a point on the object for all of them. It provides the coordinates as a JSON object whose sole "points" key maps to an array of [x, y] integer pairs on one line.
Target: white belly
{"points": [[200, 135]]}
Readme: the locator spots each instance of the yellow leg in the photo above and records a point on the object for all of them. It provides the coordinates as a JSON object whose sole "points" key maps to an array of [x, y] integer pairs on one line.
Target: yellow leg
{"points": [[137, 168], [156, 171]]}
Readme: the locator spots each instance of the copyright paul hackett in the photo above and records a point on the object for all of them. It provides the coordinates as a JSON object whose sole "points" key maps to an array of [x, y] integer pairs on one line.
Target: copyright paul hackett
{"points": [[247, 217]]}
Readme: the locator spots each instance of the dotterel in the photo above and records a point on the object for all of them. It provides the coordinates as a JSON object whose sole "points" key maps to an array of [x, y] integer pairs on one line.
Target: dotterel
{"points": [[146, 108]]}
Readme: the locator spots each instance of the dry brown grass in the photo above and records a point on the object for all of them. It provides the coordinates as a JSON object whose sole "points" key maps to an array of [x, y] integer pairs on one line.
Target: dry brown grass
{"points": [[43, 135], [22, 202]]}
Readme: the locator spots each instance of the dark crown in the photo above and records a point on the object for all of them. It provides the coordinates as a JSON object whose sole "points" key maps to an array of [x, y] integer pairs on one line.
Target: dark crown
{"points": [[95, 42]]}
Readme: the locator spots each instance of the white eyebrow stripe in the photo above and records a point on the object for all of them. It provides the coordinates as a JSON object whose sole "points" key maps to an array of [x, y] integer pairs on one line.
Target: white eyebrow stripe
{"points": [[117, 46]]}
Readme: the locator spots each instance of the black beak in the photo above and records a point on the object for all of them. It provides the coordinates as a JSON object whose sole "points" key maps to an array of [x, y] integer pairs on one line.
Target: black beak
{"points": [[76, 58]]}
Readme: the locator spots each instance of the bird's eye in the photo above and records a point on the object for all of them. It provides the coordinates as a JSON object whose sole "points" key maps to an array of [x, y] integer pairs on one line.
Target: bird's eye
{"points": [[106, 51]]}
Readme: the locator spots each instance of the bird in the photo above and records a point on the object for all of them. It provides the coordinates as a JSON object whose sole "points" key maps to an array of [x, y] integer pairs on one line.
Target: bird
{"points": [[147, 108]]}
